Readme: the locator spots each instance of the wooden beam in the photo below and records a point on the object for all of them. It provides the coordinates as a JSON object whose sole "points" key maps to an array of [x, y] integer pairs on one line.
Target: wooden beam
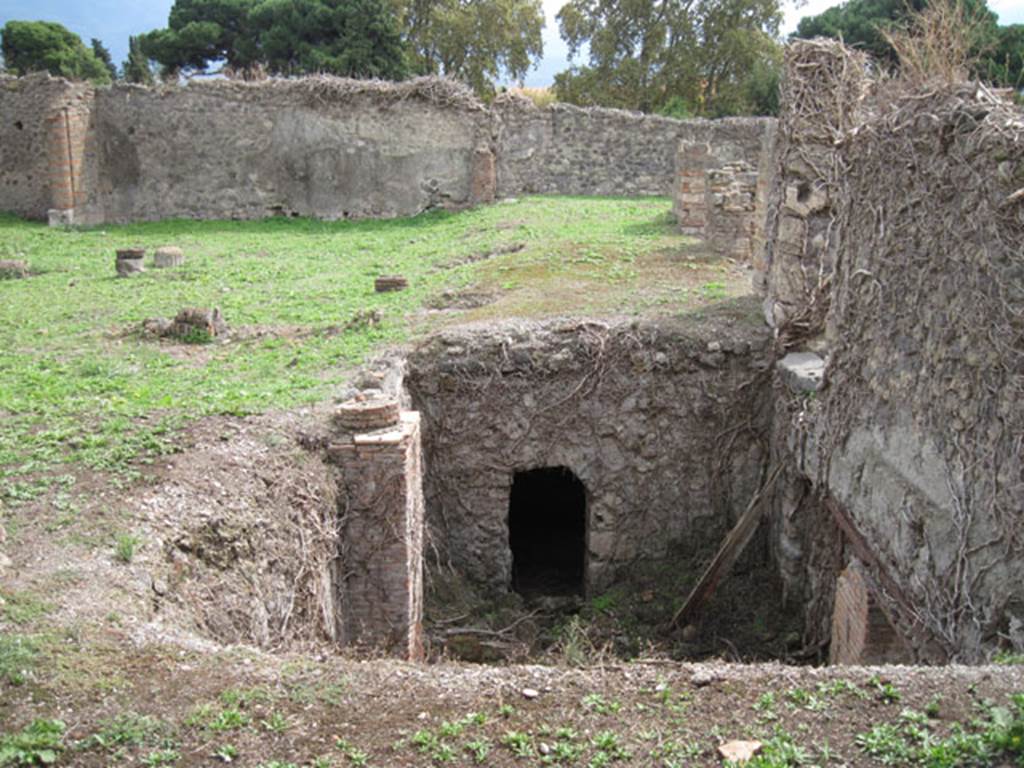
{"points": [[735, 542]]}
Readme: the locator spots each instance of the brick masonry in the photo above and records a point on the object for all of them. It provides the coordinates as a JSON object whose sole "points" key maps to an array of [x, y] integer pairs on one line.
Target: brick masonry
{"points": [[861, 632], [380, 590], [44, 122], [720, 186]]}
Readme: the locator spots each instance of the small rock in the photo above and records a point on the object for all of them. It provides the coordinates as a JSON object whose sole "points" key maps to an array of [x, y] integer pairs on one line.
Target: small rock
{"points": [[530, 693], [11, 269], [739, 751], [802, 371], [387, 283], [714, 346], [168, 256], [544, 749], [689, 632], [703, 678], [160, 587]]}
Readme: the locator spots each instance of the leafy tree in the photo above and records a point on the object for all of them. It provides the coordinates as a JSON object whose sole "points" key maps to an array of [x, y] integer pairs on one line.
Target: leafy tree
{"points": [[999, 51], [136, 67], [476, 41], [691, 56], [200, 33], [45, 46], [1004, 64], [101, 53], [355, 38]]}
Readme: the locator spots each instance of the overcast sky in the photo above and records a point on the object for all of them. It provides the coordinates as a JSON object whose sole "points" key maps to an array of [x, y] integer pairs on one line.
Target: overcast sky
{"points": [[113, 21]]}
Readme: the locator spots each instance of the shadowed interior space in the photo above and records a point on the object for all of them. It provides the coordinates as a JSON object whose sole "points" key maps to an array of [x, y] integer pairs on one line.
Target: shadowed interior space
{"points": [[547, 532]]}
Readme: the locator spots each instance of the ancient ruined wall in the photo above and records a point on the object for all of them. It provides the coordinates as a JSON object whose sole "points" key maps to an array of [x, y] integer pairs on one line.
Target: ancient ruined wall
{"points": [[923, 421], [662, 424], [722, 171], [43, 121], [329, 148], [564, 149], [823, 93], [380, 522], [313, 147], [913, 444]]}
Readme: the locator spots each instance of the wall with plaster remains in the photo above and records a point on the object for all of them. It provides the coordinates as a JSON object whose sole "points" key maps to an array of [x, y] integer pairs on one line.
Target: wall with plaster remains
{"points": [[308, 147], [662, 423], [325, 147], [914, 297]]}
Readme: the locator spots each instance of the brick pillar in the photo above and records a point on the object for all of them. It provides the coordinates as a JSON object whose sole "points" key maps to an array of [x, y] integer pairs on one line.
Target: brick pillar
{"points": [[861, 632], [66, 133], [689, 199], [381, 534]]}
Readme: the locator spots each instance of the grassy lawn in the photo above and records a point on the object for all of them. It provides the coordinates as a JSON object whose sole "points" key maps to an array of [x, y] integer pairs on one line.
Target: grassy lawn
{"points": [[79, 384]]}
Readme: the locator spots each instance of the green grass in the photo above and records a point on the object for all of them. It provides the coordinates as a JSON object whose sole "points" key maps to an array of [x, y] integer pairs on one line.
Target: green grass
{"points": [[17, 658], [79, 386], [22, 607], [39, 743]]}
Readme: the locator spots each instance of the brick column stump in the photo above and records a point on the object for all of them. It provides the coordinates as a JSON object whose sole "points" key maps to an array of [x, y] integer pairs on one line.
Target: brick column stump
{"points": [[377, 451]]}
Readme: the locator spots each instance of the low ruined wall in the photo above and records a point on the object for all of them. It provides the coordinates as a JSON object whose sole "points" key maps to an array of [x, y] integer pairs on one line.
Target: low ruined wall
{"points": [[323, 147], [913, 444], [563, 149], [661, 423], [314, 147]]}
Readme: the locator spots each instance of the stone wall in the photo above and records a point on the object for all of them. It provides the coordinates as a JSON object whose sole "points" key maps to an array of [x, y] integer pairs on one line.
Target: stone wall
{"points": [[43, 121], [323, 147], [562, 149], [663, 424], [721, 178], [913, 444], [823, 92]]}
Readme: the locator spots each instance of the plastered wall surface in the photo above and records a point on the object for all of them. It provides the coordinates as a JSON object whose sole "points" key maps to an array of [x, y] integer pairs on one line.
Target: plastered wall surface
{"points": [[325, 147], [911, 288], [238, 151]]}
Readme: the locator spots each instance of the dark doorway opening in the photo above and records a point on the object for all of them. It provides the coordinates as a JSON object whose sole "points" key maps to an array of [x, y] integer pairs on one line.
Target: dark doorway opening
{"points": [[547, 532]]}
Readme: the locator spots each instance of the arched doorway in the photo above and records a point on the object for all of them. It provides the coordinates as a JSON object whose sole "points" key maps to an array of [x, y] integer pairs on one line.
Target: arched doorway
{"points": [[547, 532]]}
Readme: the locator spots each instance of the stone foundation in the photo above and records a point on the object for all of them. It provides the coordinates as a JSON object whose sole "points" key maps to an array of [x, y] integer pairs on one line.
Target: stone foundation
{"points": [[659, 422]]}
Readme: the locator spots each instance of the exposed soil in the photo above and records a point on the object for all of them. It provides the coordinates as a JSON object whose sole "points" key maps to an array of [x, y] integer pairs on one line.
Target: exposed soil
{"points": [[121, 640]]}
